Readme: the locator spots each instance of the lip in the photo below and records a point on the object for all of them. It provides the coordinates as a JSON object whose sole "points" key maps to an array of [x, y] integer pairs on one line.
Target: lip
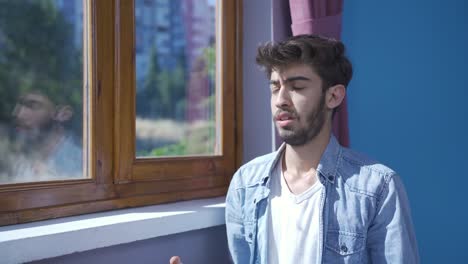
{"points": [[284, 123], [21, 128], [284, 119]]}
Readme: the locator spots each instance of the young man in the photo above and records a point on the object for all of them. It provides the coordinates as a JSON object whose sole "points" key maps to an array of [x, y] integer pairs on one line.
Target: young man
{"points": [[45, 149], [313, 201]]}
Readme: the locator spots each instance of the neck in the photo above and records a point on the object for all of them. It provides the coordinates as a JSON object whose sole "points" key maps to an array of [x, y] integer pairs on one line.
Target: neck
{"points": [[50, 142], [300, 160]]}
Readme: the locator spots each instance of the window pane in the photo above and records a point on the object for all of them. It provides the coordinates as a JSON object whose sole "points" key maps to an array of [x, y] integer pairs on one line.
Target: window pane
{"points": [[176, 91], [41, 90]]}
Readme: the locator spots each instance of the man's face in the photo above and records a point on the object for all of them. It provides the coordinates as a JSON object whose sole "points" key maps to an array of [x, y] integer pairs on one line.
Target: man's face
{"points": [[33, 116], [297, 103]]}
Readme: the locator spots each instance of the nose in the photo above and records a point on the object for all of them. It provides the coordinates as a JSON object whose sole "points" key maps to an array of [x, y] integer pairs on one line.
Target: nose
{"points": [[283, 99], [15, 111], [18, 111]]}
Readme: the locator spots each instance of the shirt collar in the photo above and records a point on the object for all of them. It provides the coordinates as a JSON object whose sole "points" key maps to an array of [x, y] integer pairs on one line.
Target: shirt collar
{"points": [[328, 164]]}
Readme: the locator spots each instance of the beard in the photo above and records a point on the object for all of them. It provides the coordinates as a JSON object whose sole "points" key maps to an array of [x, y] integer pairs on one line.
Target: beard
{"points": [[315, 121], [27, 138]]}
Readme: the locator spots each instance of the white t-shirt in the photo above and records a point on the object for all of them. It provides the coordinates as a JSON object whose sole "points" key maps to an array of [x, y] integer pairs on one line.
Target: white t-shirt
{"points": [[65, 162], [293, 224]]}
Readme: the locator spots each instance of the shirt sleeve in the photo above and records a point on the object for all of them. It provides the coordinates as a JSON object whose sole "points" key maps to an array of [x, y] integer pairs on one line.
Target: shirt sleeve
{"points": [[239, 248], [391, 237]]}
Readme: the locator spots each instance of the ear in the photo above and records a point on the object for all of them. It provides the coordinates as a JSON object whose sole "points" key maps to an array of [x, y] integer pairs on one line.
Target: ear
{"points": [[63, 113], [335, 96]]}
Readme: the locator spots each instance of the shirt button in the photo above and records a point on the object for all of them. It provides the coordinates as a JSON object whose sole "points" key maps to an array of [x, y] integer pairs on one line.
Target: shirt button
{"points": [[250, 235], [344, 248], [255, 201]]}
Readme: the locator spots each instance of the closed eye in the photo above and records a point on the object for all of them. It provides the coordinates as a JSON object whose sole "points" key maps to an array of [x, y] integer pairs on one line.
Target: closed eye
{"points": [[274, 88], [295, 88]]}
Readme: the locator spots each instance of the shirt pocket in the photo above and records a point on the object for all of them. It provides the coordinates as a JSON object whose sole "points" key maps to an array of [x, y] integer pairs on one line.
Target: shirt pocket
{"points": [[345, 243], [249, 231]]}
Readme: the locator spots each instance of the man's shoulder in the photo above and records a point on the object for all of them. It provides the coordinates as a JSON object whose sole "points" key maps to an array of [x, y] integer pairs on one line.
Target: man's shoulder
{"points": [[364, 174], [255, 170], [260, 161], [68, 157], [362, 160]]}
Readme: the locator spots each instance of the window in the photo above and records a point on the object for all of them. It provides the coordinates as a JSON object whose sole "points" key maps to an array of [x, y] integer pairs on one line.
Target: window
{"points": [[41, 91], [149, 106], [176, 85]]}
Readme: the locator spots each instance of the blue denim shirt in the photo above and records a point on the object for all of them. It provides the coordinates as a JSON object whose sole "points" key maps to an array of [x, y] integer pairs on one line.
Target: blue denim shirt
{"points": [[365, 214]]}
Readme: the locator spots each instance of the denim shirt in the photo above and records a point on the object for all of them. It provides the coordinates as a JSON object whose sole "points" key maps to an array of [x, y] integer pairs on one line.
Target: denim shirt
{"points": [[365, 213]]}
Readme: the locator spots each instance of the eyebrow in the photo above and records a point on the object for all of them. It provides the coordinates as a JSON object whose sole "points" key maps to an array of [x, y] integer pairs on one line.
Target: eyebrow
{"points": [[291, 79], [28, 100]]}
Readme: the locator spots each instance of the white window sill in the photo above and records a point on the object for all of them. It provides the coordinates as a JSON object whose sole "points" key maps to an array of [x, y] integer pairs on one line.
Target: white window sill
{"points": [[57, 237]]}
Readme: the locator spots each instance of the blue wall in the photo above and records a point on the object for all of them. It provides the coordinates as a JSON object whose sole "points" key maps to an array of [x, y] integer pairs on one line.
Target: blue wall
{"points": [[407, 108]]}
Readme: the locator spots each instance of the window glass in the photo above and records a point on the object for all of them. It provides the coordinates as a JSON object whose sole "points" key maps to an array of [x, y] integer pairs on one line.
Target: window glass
{"points": [[41, 90], [176, 91]]}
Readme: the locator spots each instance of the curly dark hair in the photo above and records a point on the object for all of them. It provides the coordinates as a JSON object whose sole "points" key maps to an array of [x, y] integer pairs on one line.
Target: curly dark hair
{"points": [[325, 55]]}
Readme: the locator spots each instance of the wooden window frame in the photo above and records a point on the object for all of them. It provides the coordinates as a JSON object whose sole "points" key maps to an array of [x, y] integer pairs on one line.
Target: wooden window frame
{"points": [[117, 178]]}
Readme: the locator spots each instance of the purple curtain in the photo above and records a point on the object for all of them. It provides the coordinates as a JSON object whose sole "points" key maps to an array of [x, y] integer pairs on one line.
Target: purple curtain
{"points": [[322, 17]]}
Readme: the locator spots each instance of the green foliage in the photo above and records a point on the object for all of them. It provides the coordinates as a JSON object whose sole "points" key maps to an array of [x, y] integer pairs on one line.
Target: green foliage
{"points": [[209, 55], [164, 96], [200, 140], [37, 53], [177, 149], [163, 91]]}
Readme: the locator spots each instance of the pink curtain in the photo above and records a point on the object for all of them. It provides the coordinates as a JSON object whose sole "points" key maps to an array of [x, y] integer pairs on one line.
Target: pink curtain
{"points": [[322, 17]]}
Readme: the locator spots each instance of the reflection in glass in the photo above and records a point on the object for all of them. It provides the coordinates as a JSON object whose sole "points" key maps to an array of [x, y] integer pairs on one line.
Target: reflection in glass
{"points": [[175, 72], [41, 80]]}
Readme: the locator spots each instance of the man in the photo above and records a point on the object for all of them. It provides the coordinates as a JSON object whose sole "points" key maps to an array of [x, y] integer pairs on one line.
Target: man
{"points": [[45, 149], [313, 201]]}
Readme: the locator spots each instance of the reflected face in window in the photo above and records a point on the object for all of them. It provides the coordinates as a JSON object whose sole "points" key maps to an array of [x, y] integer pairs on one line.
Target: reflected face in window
{"points": [[33, 115]]}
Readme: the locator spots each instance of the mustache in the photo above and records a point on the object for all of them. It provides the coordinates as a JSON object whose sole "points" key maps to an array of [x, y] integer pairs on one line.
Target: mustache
{"points": [[285, 111], [20, 124]]}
